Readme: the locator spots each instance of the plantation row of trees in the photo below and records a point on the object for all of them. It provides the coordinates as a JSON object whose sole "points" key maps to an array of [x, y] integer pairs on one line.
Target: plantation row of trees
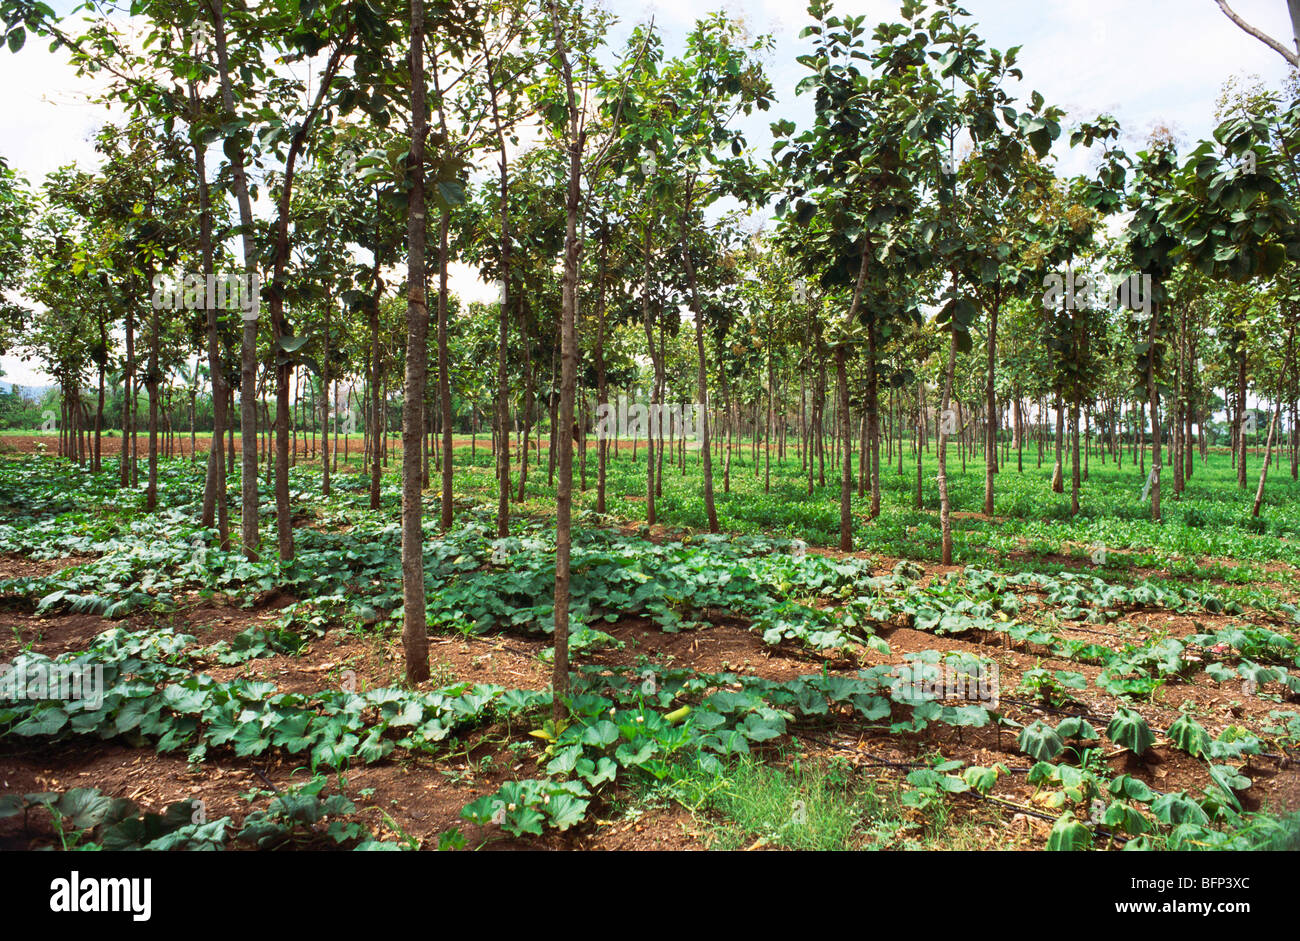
{"points": [[928, 273]]}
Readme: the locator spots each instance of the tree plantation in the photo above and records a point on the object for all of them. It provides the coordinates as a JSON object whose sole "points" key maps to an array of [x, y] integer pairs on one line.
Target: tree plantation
{"points": [[551, 424]]}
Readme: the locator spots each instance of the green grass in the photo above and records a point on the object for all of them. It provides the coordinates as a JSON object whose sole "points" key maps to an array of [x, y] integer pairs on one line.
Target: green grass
{"points": [[808, 803], [1206, 533]]}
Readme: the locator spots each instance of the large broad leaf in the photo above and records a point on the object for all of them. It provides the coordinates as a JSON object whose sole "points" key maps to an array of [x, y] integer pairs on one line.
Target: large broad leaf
{"points": [[1040, 741], [1123, 816], [183, 700], [83, 807], [1187, 734], [1077, 727], [1128, 786], [1178, 809], [600, 733], [565, 810], [1229, 779], [1131, 731], [374, 747], [982, 779], [449, 193], [565, 761], [1069, 834], [46, 721], [759, 729], [11, 805], [482, 810]]}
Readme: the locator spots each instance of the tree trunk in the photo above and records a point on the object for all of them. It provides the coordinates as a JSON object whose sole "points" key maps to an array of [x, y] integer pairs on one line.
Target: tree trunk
{"points": [[568, 380], [846, 471], [128, 403], [1240, 450], [990, 405], [1075, 468], [602, 391], [945, 505], [873, 420], [1058, 478], [1153, 396], [1268, 457], [248, 346], [446, 508], [377, 433], [702, 388], [503, 378], [151, 386], [415, 636]]}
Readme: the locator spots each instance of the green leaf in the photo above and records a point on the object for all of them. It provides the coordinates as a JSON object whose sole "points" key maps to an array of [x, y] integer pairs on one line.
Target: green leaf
{"points": [[45, 721], [565, 810], [450, 192], [981, 779], [1040, 741], [374, 747], [1128, 786], [1122, 816], [1077, 727], [1178, 808], [1188, 735], [600, 733], [1229, 780], [1069, 834], [83, 807], [1131, 731]]}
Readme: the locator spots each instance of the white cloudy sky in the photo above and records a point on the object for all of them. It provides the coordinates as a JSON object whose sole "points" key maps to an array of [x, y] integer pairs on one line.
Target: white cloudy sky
{"points": [[1146, 61]]}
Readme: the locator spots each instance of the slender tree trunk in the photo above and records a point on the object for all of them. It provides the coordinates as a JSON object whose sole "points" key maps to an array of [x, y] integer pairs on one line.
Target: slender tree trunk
{"points": [[945, 505], [248, 347], [922, 433], [846, 471], [528, 404], [415, 636], [377, 433], [602, 390], [1240, 449], [1153, 395], [1268, 457], [99, 420], [128, 404], [648, 325], [503, 378], [325, 402], [1075, 468], [568, 380], [872, 456], [990, 404], [151, 386], [702, 388], [446, 508], [1058, 478]]}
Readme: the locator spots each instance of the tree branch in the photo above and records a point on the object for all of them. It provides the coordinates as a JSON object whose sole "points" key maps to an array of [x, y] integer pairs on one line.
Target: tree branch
{"points": [[1267, 40]]}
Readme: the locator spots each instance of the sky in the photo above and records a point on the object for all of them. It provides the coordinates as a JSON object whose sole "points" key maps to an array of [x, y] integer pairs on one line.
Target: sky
{"points": [[1148, 62]]}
